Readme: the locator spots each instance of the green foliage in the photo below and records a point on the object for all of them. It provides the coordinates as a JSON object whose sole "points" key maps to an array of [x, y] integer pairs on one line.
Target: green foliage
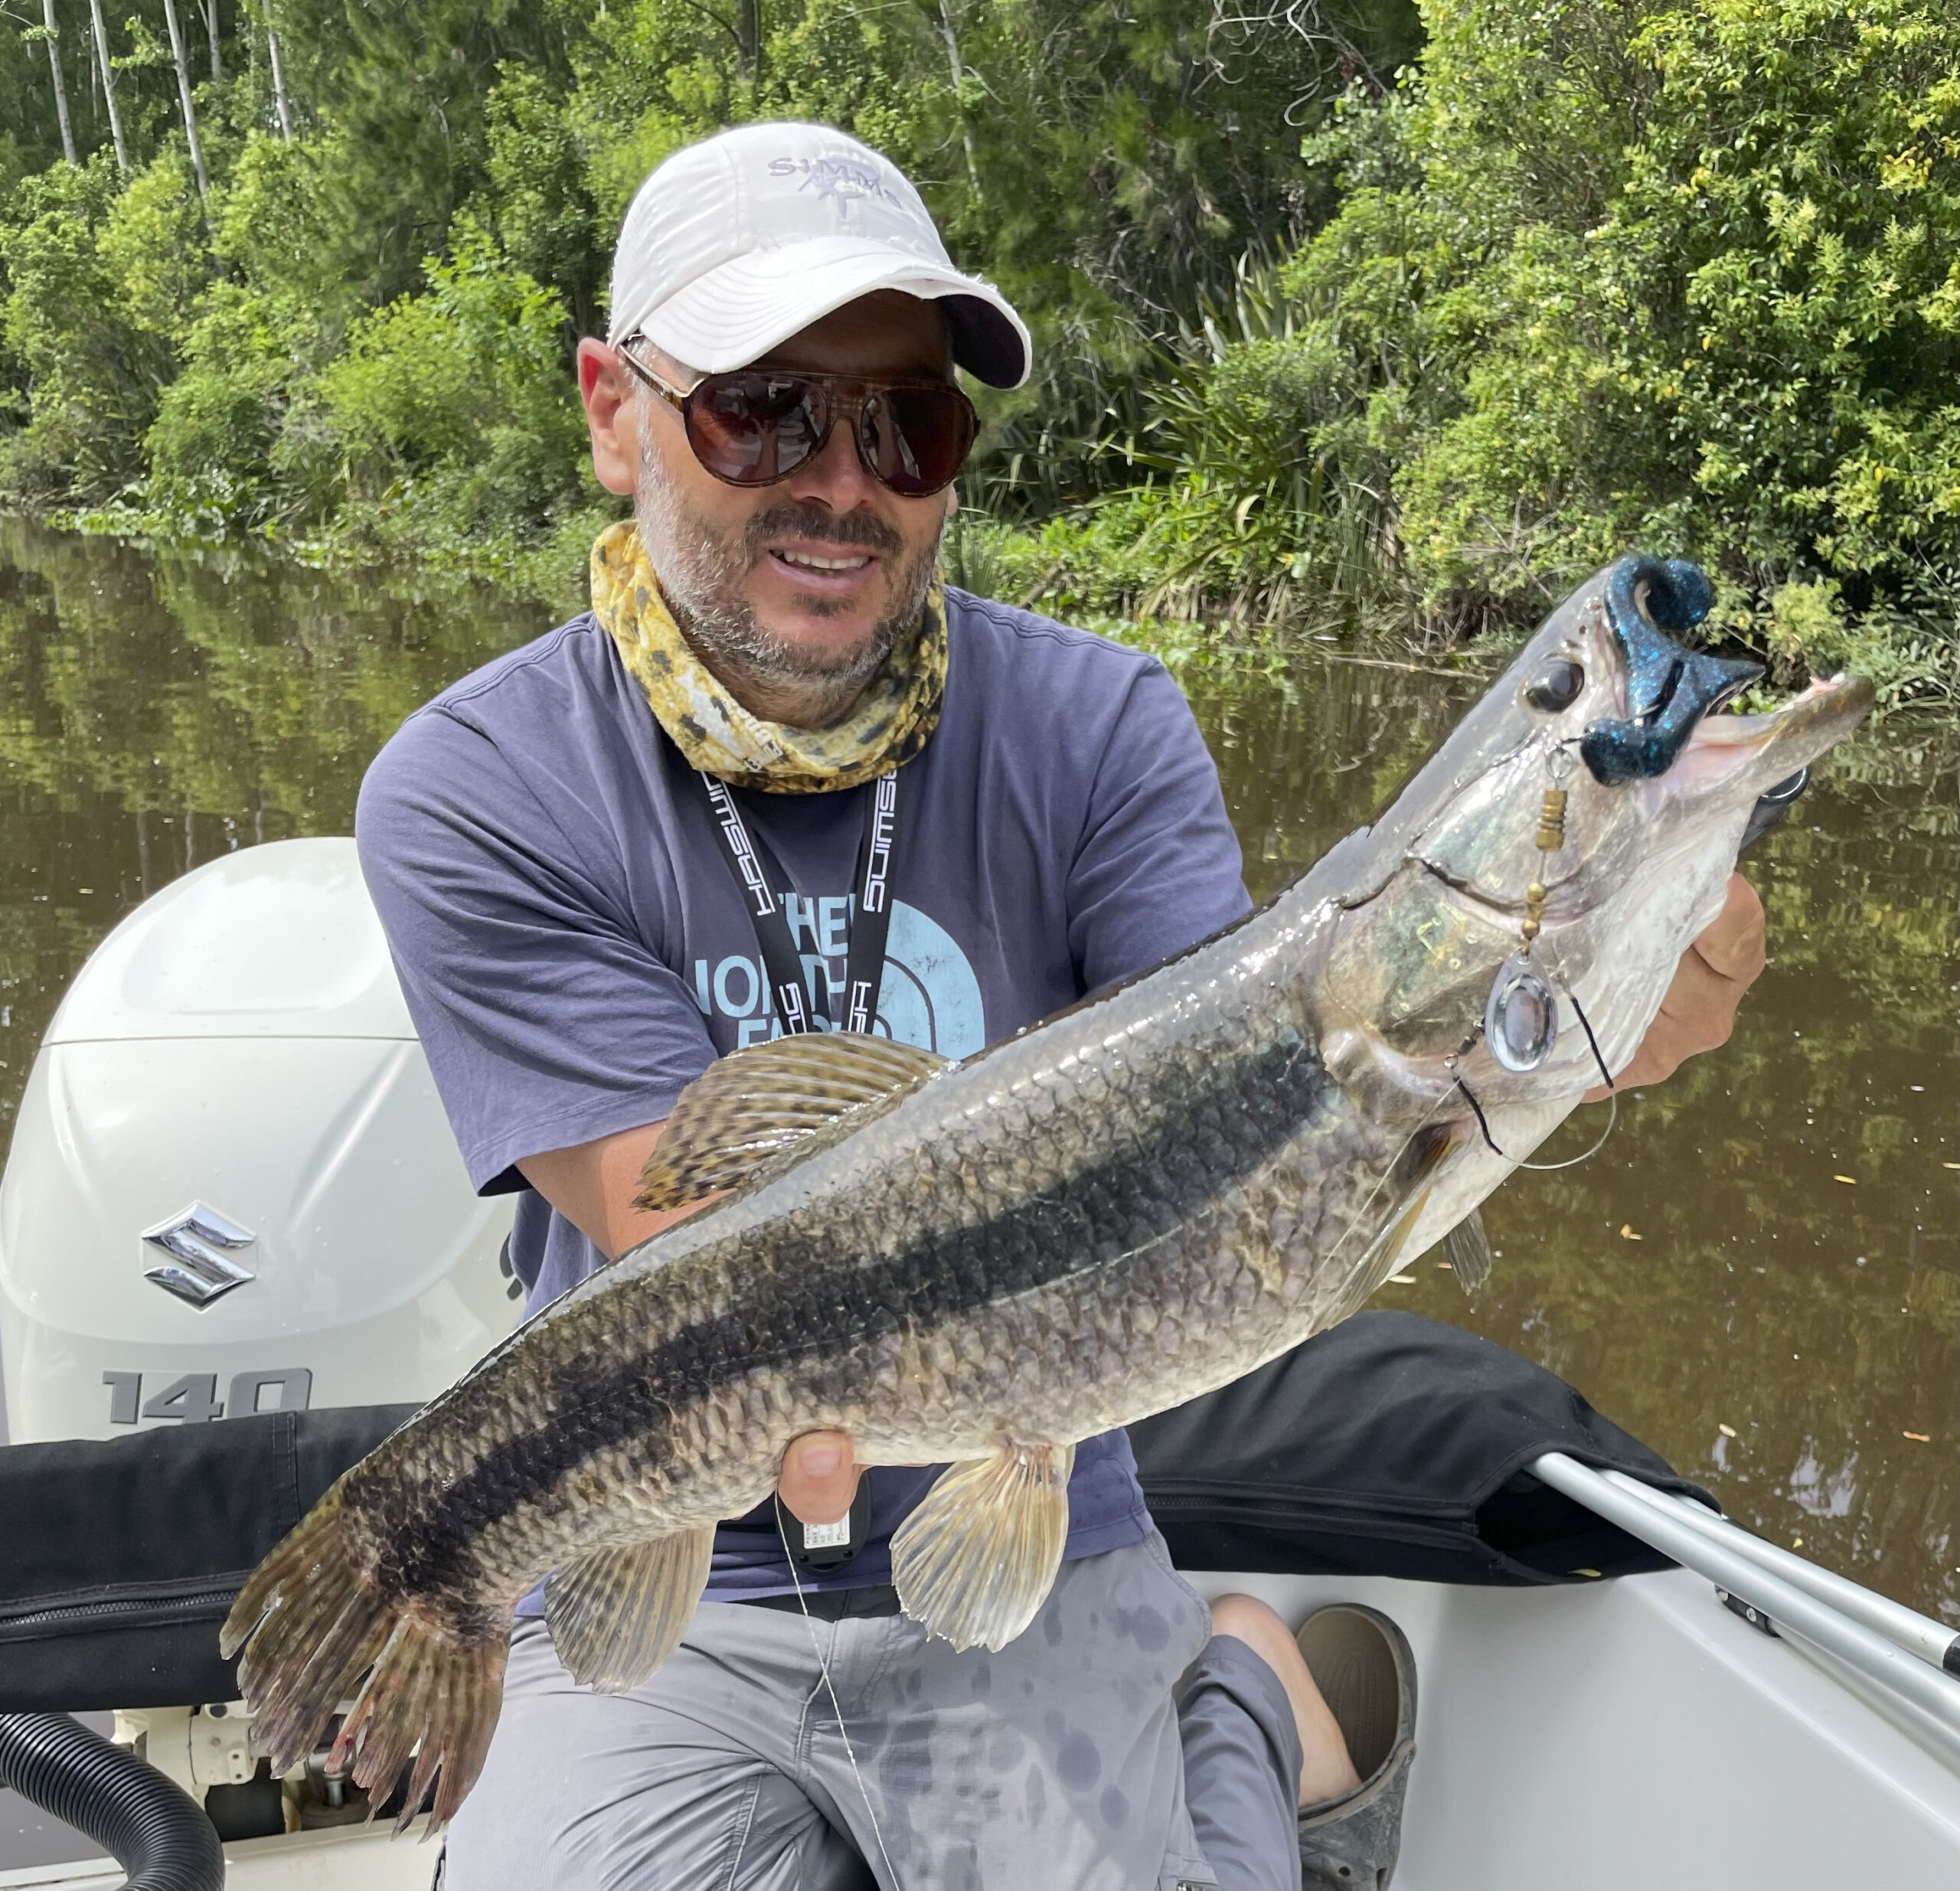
{"points": [[453, 406], [540, 201], [1740, 328], [90, 323], [1604, 275], [1315, 344]]}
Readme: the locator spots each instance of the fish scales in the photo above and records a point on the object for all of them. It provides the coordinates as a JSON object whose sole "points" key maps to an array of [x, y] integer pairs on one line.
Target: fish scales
{"points": [[1142, 1199], [1024, 1257]]}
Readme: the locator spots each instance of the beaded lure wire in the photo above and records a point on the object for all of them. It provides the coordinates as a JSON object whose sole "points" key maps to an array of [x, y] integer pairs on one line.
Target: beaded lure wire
{"points": [[1521, 1016]]}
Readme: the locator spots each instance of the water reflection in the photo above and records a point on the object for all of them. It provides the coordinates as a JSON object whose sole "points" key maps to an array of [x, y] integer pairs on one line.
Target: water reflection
{"points": [[1705, 1280]]}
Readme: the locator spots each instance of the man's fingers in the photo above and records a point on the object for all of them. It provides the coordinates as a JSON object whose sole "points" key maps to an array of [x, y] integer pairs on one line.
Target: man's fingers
{"points": [[819, 1477], [1700, 1005], [1698, 1013], [1735, 946], [1660, 1055]]}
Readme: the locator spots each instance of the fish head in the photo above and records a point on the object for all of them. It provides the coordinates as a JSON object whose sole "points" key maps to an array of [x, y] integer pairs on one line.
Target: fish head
{"points": [[1598, 771]]}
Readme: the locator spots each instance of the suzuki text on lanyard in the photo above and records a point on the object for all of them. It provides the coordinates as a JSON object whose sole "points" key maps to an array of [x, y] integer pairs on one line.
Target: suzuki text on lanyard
{"points": [[865, 963]]}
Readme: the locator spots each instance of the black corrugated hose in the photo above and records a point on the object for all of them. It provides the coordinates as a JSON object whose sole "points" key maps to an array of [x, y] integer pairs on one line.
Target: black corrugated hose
{"points": [[152, 1826]]}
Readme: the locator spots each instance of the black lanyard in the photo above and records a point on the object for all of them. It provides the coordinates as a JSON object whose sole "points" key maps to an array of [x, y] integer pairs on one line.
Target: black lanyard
{"points": [[761, 879]]}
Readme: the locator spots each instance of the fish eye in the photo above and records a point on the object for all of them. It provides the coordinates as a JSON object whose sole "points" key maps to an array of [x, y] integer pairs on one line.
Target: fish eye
{"points": [[1555, 687]]}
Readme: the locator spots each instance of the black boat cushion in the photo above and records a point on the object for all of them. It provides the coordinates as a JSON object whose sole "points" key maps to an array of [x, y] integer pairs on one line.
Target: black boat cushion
{"points": [[1390, 1446]]}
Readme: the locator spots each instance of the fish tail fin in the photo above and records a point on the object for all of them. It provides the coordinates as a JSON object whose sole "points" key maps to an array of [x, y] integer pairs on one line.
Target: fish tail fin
{"points": [[433, 1697], [311, 1623]]}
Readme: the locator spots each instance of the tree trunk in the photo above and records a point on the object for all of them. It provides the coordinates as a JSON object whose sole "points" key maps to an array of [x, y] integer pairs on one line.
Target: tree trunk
{"points": [[749, 38], [279, 99], [184, 98], [210, 27], [953, 60], [109, 87], [60, 85]]}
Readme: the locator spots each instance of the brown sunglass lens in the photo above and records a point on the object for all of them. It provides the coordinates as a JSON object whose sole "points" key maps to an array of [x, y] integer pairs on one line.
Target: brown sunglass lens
{"points": [[753, 429], [916, 438]]}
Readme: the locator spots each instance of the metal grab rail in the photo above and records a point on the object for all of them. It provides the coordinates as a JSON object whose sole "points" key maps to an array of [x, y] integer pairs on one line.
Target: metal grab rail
{"points": [[1932, 1642], [1917, 1698]]}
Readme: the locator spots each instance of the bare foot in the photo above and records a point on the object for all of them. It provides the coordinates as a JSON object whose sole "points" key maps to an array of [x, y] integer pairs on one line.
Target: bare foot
{"points": [[1326, 1772]]}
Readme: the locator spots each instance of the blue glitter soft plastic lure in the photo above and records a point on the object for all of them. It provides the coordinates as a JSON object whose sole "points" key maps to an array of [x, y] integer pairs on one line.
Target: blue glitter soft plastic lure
{"points": [[1669, 687]]}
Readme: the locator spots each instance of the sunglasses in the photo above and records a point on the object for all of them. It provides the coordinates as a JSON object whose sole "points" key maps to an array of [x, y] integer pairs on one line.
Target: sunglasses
{"points": [[758, 425]]}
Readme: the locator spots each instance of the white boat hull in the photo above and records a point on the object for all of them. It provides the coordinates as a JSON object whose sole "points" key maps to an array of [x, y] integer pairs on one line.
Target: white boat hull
{"points": [[1636, 1735], [1625, 1737]]}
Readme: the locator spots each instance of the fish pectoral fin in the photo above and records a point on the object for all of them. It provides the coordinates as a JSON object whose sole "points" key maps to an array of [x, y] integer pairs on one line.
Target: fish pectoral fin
{"points": [[616, 1613], [1466, 1248], [976, 1559], [1383, 1256], [747, 1108]]}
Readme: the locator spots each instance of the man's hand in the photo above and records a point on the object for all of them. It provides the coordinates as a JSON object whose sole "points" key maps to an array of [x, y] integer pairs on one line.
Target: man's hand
{"points": [[1698, 1011], [818, 1478]]}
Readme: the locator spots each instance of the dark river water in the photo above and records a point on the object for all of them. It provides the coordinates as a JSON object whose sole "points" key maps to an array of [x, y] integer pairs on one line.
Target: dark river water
{"points": [[1708, 1280]]}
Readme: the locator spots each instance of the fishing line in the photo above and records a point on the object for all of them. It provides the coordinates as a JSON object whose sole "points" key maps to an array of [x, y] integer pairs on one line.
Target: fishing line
{"points": [[837, 1706], [1573, 1162], [1612, 1101], [1591, 1040], [1470, 1097]]}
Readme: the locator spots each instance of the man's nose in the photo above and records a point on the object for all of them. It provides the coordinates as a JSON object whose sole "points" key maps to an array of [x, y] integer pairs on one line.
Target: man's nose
{"points": [[835, 477]]}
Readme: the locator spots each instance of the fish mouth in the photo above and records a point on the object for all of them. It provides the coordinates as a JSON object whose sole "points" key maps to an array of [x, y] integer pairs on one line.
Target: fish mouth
{"points": [[1768, 747]]}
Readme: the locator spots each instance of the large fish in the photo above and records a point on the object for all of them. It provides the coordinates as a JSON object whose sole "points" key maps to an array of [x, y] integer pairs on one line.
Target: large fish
{"points": [[980, 1264]]}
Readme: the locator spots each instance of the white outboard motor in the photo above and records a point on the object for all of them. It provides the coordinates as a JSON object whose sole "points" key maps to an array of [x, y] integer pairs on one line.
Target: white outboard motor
{"points": [[232, 1186]]}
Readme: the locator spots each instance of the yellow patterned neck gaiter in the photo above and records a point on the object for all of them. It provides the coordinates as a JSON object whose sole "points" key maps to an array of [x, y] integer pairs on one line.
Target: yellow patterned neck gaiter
{"points": [[889, 724]]}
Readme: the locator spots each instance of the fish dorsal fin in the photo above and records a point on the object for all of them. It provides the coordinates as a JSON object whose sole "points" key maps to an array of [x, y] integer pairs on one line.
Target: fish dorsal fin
{"points": [[616, 1613], [977, 1558], [750, 1106], [1466, 1248]]}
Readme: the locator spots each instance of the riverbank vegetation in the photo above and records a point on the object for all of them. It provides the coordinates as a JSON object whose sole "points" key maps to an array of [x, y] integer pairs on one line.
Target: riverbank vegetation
{"points": [[1350, 319]]}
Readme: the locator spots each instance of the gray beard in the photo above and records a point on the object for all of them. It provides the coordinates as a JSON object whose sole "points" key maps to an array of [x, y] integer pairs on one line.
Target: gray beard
{"points": [[700, 572]]}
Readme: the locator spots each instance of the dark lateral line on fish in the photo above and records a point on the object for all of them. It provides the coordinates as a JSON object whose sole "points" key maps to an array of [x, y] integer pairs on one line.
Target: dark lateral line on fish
{"points": [[1180, 1161]]}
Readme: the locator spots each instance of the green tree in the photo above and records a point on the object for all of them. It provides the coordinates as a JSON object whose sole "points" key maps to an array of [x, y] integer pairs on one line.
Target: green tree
{"points": [[96, 367], [1601, 275]]}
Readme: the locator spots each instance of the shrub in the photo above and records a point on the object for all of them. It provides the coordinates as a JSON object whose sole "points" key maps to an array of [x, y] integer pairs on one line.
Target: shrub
{"points": [[456, 405], [94, 373], [1604, 275]]}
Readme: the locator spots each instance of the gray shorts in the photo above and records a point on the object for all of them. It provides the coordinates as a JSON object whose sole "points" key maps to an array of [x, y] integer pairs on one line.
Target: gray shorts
{"points": [[1062, 1761]]}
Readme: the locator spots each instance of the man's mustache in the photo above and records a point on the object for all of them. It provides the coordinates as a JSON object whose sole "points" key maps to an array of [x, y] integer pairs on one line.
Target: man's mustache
{"points": [[794, 520]]}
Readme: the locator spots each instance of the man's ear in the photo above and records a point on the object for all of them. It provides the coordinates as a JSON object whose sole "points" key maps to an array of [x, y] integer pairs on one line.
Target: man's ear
{"points": [[612, 416]]}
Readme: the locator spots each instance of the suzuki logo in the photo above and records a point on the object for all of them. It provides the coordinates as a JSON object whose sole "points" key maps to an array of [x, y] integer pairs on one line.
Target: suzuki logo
{"points": [[199, 1243]]}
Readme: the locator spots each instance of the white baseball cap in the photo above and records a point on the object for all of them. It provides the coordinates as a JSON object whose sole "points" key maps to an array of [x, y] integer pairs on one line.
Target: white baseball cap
{"points": [[734, 244]]}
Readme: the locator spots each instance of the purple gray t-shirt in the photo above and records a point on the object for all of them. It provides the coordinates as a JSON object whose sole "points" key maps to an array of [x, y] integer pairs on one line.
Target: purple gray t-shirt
{"points": [[575, 951]]}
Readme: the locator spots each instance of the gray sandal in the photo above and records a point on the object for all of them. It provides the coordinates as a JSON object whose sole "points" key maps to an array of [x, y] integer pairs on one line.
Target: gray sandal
{"points": [[1362, 1663]]}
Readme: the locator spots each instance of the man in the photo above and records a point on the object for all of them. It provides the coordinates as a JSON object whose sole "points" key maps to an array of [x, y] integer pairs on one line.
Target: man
{"points": [[777, 778]]}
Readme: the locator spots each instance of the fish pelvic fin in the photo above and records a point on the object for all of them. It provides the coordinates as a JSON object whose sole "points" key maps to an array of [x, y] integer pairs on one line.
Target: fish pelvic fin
{"points": [[1466, 1248], [976, 1559], [616, 1613], [748, 1107], [310, 1621]]}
